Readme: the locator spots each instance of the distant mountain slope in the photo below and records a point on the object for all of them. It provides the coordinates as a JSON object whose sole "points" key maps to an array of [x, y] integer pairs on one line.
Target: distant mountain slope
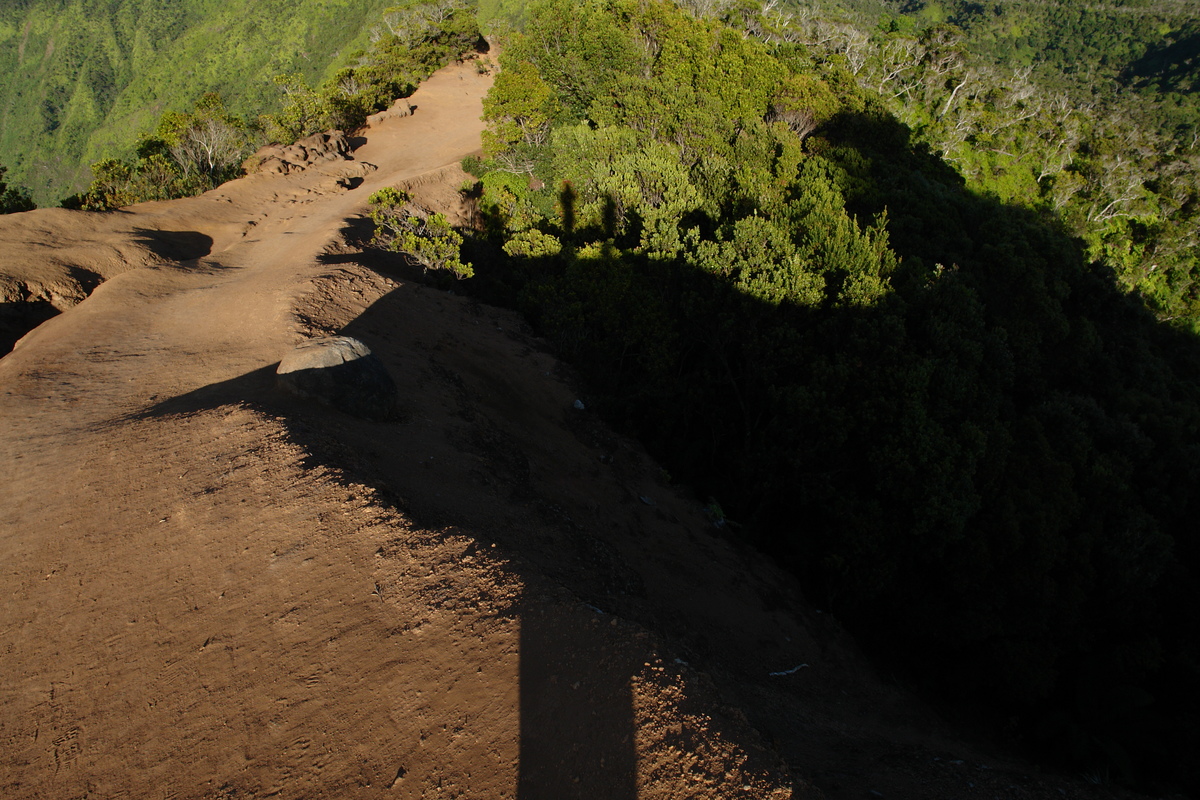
{"points": [[1171, 66], [82, 79], [1085, 43]]}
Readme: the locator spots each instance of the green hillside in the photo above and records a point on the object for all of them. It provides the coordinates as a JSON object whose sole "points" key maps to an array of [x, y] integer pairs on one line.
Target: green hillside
{"points": [[1085, 112], [81, 80]]}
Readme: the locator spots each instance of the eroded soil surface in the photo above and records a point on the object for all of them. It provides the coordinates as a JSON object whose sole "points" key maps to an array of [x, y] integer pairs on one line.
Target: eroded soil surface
{"points": [[211, 590]]}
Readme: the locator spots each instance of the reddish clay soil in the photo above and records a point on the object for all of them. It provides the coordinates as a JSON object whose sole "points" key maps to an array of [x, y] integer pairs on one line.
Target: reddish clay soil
{"points": [[212, 590]]}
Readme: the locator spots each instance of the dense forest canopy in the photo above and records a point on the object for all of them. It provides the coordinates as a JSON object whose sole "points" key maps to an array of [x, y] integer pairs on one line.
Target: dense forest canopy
{"points": [[1085, 110], [946, 413]]}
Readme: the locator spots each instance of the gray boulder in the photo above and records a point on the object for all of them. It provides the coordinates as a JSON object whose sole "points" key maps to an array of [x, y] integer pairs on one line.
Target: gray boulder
{"points": [[341, 372]]}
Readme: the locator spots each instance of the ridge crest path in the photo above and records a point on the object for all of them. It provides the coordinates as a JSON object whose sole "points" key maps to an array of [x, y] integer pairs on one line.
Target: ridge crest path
{"points": [[205, 598], [233, 306]]}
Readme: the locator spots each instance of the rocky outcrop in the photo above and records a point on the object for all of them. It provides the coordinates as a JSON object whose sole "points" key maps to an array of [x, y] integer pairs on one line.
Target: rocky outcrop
{"points": [[315, 149], [341, 372], [318, 148], [400, 108], [26, 303], [52, 259]]}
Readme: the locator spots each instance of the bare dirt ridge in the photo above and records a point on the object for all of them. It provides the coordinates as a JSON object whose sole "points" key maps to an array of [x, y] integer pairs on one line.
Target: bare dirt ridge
{"points": [[210, 590]]}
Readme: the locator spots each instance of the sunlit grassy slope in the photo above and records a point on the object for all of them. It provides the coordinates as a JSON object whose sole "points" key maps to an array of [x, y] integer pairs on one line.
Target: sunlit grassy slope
{"points": [[83, 79]]}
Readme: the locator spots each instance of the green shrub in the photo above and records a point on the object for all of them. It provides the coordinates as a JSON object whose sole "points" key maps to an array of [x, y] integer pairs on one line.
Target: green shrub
{"points": [[424, 238], [13, 198]]}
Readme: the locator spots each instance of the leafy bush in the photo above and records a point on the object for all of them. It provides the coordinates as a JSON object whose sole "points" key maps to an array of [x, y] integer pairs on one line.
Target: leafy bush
{"points": [[188, 153], [13, 198], [424, 238]]}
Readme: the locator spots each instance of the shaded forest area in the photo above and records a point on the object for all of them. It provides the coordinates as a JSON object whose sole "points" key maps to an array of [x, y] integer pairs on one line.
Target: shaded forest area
{"points": [[1087, 111], [934, 404]]}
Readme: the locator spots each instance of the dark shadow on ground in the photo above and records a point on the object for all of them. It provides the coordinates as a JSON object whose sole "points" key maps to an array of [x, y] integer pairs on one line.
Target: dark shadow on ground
{"points": [[18, 319], [986, 471], [1003, 416], [457, 457], [577, 739], [255, 388], [175, 245]]}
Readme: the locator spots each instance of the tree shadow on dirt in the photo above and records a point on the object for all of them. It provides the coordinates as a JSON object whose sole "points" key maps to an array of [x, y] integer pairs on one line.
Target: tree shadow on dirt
{"points": [[175, 245], [1004, 369], [457, 457]]}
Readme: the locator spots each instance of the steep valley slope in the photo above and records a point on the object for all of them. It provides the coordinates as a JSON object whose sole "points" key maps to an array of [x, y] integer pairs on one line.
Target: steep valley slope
{"points": [[81, 81], [211, 590]]}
